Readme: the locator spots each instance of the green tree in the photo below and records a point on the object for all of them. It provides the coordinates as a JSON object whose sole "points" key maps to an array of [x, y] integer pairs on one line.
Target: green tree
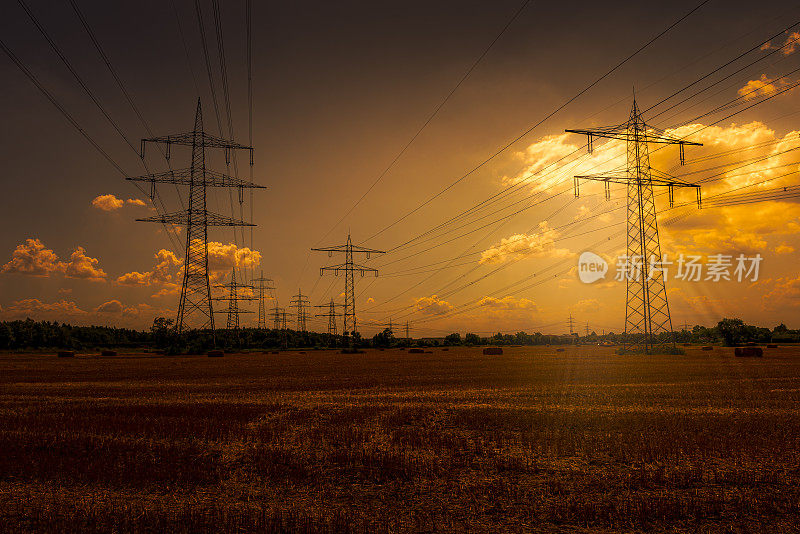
{"points": [[453, 339], [732, 331], [383, 339], [161, 331], [472, 339]]}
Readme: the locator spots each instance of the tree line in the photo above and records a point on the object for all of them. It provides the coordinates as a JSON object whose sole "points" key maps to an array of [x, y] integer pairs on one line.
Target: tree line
{"points": [[30, 334]]}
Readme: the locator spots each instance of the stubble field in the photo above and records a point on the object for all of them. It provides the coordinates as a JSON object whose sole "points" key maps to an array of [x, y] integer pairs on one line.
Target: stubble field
{"points": [[534, 440]]}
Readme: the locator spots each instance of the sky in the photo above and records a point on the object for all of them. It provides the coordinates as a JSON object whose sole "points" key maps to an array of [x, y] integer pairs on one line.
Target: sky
{"points": [[339, 89]]}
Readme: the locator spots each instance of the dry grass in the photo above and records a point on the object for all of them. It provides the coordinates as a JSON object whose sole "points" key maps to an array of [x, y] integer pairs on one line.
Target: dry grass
{"points": [[582, 440]]}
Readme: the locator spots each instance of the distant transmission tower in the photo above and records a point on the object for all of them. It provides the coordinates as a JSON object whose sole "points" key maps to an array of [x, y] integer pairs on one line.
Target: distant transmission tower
{"points": [[349, 267], [301, 305], [331, 316], [570, 323], [233, 297], [647, 311], [195, 305], [408, 330], [264, 285], [279, 317]]}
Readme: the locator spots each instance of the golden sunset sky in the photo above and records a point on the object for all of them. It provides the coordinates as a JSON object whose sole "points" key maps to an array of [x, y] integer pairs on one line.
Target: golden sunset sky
{"points": [[339, 88]]}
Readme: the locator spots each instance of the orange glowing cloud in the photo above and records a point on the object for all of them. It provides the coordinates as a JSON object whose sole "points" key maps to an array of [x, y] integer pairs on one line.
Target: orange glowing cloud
{"points": [[540, 244], [34, 259], [110, 202], [432, 305]]}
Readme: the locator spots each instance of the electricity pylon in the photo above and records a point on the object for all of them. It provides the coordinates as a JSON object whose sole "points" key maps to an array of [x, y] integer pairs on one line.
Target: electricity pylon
{"points": [[331, 316], [349, 267], [234, 297], [195, 299], [571, 323], [279, 316], [301, 305], [408, 330], [647, 311], [264, 285]]}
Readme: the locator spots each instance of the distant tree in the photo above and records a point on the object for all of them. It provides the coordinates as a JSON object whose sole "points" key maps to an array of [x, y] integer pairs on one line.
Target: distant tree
{"points": [[6, 337], [472, 339], [732, 331], [780, 329], [383, 339], [161, 331], [453, 339]]}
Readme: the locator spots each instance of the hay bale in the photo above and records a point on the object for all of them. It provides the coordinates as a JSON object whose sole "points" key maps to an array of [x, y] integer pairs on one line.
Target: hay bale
{"points": [[275, 352], [687, 344], [707, 348], [66, 354], [772, 346], [445, 350], [216, 353], [559, 350], [492, 351], [108, 353], [416, 351], [749, 352]]}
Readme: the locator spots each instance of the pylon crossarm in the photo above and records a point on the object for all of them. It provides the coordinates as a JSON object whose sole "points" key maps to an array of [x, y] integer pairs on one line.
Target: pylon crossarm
{"points": [[184, 177], [182, 218], [335, 268], [344, 248], [364, 268], [238, 286], [341, 248], [188, 138], [674, 182], [623, 133]]}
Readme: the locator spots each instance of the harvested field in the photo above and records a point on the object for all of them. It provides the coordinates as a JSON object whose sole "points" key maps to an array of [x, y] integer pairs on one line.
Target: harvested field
{"points": [[581, 441]]}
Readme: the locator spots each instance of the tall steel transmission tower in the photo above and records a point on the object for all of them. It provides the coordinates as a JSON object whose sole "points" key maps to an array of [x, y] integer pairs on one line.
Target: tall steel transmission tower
{"points": [[349, 268], [647, 310], [233, 297], [279, 318], [331, 316], [264, 286], [195, 308], [301, 305]]}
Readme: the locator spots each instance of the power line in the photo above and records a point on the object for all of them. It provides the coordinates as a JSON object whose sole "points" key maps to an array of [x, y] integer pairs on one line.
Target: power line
{"points": [[57, 50], [431, 116], [506, 190], [119, 83], [547, 117]]}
